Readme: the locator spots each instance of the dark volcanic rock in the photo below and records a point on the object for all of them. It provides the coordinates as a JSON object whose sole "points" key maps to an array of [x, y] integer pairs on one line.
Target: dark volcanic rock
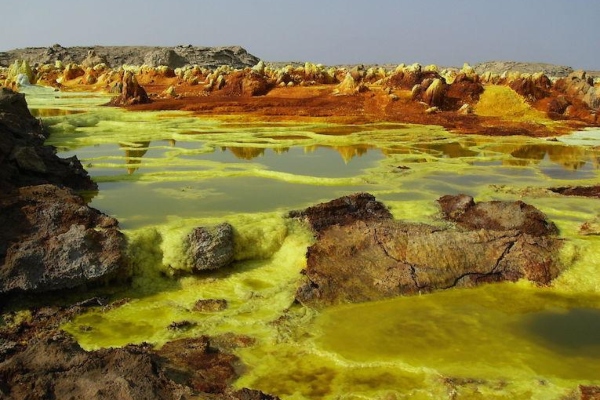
{"points": [[24, 160], [342, 211], [211, 248], [371, 260], [51, 240]]}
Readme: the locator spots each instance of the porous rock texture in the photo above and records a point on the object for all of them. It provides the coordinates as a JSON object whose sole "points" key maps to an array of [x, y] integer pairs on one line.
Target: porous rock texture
{"points": [[210, 248], [49, 238], [55, 367], [24, 160], [373, 259]]}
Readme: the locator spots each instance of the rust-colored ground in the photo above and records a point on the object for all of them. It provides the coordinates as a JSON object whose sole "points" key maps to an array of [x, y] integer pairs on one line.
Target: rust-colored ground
{"points": [[531, 106], [318, 103]]}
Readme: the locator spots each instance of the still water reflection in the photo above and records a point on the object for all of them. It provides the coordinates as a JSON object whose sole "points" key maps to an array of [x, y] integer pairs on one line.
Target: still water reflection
{"points": [[162, 174]]}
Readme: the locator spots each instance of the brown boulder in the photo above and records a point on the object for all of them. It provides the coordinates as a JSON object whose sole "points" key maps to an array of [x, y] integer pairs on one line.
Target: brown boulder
{"points": [[210, 248], [51, 240], [374, 259], [245, 83]]}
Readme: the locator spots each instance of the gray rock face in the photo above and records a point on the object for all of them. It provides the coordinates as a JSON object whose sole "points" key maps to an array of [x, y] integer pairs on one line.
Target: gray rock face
{"points": [[211, 248], [376, 259], [114, 56], [498, 67], [51, 240]]}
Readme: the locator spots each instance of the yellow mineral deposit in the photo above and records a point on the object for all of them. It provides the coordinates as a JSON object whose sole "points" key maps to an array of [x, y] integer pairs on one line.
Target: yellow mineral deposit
{"points": [[503, 341]]}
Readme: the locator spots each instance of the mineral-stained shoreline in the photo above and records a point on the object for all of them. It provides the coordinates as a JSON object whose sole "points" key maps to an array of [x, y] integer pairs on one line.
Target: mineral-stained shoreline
{"points": [[53, 242]]}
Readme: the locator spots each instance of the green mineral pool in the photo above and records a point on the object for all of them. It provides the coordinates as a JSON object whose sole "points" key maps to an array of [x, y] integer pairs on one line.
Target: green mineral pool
{"points": [[163, 173]]}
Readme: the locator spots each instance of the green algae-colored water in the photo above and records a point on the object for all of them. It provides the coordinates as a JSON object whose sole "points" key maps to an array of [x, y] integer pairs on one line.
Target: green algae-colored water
{"points": [[163, 173]]}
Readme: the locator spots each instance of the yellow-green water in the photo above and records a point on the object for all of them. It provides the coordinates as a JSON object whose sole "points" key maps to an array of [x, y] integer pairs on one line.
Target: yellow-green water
{"points": [[162, 174]]}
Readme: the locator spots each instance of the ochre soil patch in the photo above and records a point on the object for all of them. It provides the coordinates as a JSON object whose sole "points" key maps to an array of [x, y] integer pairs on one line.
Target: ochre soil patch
{"points": [[319, 104]]}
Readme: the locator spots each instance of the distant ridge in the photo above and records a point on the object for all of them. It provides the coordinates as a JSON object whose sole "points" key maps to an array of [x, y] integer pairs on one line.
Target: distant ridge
{"points": [[498, 67], [114, 56]]}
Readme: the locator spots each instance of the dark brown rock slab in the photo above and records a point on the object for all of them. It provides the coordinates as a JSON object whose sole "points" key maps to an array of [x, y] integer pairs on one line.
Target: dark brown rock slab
{"points": [[496, 215], [51, 240], [583, 191], [376, 259], [342, 211]]}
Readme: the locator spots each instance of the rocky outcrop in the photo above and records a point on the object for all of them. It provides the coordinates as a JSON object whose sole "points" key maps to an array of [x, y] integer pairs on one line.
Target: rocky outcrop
{"points": [[244, 83], [24, 160], [343, 211], [55, 367], [51, 240], [130, 91], [370, 260], [499, 67], [532, 87], [210, 248], [115, 56], [580, 86], [351, 84], [496, 215]]}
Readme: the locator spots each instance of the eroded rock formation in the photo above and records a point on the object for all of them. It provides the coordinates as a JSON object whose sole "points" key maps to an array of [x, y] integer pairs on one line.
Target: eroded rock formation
{"points": [[130, 91], [368, 260], [49, 238]]}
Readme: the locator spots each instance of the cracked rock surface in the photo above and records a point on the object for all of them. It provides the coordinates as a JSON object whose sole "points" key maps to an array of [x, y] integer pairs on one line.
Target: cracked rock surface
{"points": [[376, 259]]}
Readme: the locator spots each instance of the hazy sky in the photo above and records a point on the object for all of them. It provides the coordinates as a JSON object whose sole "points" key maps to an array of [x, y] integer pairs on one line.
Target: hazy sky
{"points": [[444, 32]]}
